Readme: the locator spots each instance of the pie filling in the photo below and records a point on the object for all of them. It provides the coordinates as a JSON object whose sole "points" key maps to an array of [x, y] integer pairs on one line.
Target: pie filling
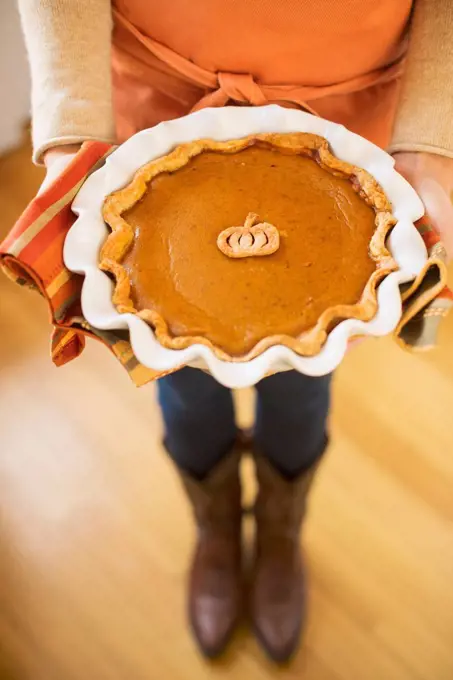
{"points": [[177, 268]]}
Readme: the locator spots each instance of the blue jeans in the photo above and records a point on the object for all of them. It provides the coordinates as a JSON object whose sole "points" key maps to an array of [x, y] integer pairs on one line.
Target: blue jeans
{"points": [[290, 428]]}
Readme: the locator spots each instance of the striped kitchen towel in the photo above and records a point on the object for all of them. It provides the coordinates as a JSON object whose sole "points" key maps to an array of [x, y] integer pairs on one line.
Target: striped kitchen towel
{"points": [[32, 255]]}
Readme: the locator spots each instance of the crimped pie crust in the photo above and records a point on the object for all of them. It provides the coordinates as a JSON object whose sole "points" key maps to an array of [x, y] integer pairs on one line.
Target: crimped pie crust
{"points": [[310, 342]]}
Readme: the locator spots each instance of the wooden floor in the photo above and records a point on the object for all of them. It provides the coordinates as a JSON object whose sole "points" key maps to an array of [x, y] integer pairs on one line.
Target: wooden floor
{"points": [[95, 534]]}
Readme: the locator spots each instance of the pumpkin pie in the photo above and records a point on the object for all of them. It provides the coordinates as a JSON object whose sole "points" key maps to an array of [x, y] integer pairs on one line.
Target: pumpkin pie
{"points": [[244, 244]]}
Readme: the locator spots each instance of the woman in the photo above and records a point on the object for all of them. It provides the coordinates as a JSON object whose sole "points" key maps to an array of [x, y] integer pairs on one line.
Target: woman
{"points": [[346, 61]]}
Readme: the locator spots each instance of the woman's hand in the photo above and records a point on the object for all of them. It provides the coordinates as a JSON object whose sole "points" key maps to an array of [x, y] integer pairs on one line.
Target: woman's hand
{"points": [[432, 178], [56, 160]]}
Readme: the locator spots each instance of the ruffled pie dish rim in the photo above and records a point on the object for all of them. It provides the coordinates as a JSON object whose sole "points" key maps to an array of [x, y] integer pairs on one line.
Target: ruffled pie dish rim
{"points": [[309, 342], [89, 232]]}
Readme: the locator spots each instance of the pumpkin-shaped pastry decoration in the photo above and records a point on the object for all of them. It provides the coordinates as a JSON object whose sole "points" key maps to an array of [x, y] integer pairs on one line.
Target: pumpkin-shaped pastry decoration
{"points": [[254, 239]]}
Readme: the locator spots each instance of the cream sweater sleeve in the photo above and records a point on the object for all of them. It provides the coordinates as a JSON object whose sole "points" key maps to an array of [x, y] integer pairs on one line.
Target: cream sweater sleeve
{"points": [[68, 43], [424, 121]]}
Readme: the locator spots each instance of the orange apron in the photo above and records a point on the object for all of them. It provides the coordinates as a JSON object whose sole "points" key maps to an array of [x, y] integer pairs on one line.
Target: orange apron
{"points": [[340, 59]]}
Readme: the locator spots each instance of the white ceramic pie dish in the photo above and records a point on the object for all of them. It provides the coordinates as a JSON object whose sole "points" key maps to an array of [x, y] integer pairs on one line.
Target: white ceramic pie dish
{"points": [[86, 236]]}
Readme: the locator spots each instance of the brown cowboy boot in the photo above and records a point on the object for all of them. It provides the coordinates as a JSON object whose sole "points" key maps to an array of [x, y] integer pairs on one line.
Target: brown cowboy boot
{"points": [[215, 587], [278, 587]]}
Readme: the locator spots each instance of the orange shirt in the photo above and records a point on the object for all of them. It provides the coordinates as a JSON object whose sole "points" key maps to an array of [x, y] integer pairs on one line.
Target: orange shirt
{"points": [[339, 58]]}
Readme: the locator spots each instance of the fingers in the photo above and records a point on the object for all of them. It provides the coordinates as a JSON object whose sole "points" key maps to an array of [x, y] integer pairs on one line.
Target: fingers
{"points": [[438, 208], [431, 176], [56, 161]]}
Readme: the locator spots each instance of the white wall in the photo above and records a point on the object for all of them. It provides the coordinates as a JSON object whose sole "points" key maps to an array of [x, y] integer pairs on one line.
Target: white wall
{"points": [[14, 77]]}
